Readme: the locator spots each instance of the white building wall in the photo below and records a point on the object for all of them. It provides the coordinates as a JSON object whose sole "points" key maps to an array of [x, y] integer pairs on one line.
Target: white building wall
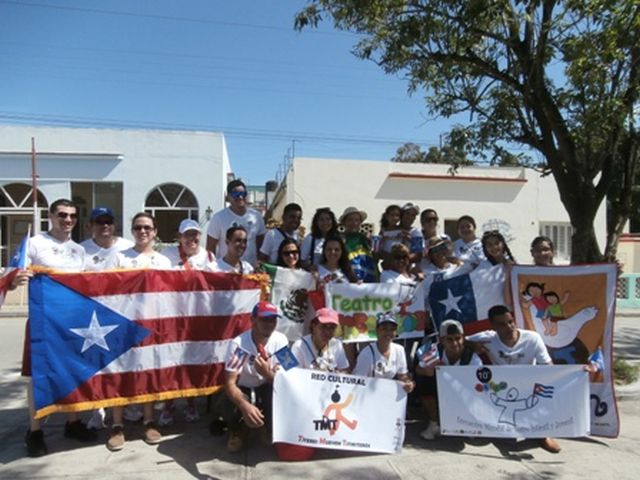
{"points": [[516, 200], [141, 159]]}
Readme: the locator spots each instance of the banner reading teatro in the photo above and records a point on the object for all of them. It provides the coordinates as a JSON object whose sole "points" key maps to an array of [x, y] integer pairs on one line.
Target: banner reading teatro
{"points": [[359, 305], [514, 401], [338, 411]]}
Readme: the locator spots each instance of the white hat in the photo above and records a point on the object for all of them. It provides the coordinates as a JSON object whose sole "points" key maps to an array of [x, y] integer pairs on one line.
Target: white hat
{"points": [[349, 210], [451, 327], [410, 206], [188, 224]]}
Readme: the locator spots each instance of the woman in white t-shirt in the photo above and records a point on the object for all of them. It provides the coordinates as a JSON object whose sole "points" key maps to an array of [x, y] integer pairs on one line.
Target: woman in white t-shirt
{"points": [[142, 254], [320, 350], [383, 358], [323, 225], [236, 245], [334, 265], [399, 264]]}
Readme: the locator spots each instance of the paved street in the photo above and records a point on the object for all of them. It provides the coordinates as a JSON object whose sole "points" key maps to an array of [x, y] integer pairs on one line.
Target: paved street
{"points": [[188, 451]]}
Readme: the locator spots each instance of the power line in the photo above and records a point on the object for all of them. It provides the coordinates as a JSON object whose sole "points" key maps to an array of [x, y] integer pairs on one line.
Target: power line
{"points": [[165, 17]]}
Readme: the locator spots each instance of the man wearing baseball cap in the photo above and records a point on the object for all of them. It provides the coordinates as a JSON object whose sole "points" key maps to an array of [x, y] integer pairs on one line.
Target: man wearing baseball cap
{"points": [[249, 372], [103, 242], [188, 254], [320, 350], [450, 351]]}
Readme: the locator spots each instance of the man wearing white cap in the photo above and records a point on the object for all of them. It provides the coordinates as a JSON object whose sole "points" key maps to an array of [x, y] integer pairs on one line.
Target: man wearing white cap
{"points": [[188, 254], [320, 350], [104, 241]]}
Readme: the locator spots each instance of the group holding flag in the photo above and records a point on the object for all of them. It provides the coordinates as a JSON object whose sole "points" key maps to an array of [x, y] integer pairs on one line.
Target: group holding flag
{"points": [[144, 327]]}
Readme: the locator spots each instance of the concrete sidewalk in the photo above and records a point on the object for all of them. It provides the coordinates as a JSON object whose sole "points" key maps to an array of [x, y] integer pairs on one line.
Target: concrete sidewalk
{"points": [[188, 450]]}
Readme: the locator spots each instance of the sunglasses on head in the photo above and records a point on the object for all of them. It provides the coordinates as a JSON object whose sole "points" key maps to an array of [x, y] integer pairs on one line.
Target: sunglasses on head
{"points": [[237, 195], [139, 228], [72, 216]]}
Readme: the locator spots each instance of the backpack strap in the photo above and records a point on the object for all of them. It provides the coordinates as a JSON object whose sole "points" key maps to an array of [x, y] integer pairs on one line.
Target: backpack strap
{"points": [[467, 353]]}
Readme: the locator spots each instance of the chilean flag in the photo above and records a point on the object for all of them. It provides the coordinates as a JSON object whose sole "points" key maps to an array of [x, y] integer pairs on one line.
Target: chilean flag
{"points": [[468, 298], [112, 338]]}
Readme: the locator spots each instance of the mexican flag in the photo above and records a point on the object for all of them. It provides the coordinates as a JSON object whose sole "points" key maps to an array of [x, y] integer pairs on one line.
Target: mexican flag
{"points": [[290, 291]]}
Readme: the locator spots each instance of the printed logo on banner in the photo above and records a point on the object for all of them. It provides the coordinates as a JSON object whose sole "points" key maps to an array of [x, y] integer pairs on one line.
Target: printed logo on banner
{"points": [[334, 416], [511, 401]]}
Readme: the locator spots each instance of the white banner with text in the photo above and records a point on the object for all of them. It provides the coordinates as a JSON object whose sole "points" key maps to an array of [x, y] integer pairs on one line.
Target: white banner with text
{"points": [[514, 401], [338, 411]]}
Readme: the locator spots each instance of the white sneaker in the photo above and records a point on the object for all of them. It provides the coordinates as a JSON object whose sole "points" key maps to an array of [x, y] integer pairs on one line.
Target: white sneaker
{"points": [[431, 432], [132, 413], [96, 422]]}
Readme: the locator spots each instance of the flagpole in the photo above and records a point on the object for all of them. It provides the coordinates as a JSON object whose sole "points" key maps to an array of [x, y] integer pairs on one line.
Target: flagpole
{"points": [[34, 185]]}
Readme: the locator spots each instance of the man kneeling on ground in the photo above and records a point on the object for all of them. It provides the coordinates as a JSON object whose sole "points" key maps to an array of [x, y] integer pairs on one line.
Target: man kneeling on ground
{"points": [[508, 345], [249, 372]]}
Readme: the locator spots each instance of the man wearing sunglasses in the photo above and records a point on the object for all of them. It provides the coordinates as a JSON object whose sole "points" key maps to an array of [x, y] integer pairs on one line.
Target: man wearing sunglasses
{"points": [[236, 214], [103, 242], [53, 249]]}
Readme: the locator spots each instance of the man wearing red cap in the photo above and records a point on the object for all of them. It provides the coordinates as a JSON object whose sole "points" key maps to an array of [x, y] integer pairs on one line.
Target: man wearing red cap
{"points": [[249, 371]]}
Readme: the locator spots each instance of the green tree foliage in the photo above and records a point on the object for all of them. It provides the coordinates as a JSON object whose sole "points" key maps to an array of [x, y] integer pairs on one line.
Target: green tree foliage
{"points": [[561, 77]]}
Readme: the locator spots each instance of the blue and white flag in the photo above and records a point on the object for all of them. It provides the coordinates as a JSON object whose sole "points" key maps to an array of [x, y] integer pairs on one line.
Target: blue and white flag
{"points": [[286, 358]]}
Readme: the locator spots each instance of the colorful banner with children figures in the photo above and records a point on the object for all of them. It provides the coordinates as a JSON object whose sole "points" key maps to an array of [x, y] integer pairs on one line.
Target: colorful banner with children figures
{"points": [[359, 304], [514, 401], [290, 293], [573, 309], [338, 411]]}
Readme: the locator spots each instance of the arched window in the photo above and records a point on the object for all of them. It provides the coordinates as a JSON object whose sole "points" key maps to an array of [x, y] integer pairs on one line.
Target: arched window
{"points": [[170, 203], [16, 214]]}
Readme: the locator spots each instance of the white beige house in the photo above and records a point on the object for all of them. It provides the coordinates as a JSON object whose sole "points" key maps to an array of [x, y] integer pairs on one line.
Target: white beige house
{"points": [[517, 201], [171, 174]]}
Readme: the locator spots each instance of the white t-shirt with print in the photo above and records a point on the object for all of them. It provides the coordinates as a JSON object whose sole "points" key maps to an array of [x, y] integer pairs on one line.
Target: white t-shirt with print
{"points": [[272, 241], [330, 359], [202, 260], [47, 251], [221, 266], [224, 219], [528, 350], [371, 363], [130, 258], [248, 376], [305, 249], [469, 252], [331, 276], [96, 257]]}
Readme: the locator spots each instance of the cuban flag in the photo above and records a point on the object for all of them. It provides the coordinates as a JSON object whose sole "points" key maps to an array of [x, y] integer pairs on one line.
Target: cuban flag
{"points": [[544, 391], [113, 338], [18, 262], [467, 298]]}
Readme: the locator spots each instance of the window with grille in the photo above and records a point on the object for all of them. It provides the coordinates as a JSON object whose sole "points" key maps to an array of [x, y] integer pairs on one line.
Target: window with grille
{"points": [[560, 234]]}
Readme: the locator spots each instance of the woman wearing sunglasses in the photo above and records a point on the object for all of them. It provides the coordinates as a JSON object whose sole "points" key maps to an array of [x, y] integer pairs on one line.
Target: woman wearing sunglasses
{"points": [[142, 254], [289, 254]]}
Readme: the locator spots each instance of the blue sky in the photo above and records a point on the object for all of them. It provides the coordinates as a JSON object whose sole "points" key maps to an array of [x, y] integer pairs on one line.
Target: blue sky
{"points": [[231, 66]]}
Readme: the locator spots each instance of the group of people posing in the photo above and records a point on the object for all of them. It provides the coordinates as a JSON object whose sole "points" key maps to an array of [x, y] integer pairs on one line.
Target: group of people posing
{"points": [[336, 250]]}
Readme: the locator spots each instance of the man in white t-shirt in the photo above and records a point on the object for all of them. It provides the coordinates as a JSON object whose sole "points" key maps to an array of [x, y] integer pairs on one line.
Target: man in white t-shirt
{"points": [[236, 214], [103, 242], [291, 218], [53, 249], [508, 345], [249, 372]]}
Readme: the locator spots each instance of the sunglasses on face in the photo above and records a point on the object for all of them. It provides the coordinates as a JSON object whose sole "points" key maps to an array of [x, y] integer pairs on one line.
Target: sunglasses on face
{"points": [[72, 216], [288, 253], [103, 221], [139, 228], [237, 195]]}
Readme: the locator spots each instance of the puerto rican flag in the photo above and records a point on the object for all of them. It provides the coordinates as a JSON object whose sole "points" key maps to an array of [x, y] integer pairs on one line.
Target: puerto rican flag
{"points": [[18, 262], [113, 338], [467, 298]]}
